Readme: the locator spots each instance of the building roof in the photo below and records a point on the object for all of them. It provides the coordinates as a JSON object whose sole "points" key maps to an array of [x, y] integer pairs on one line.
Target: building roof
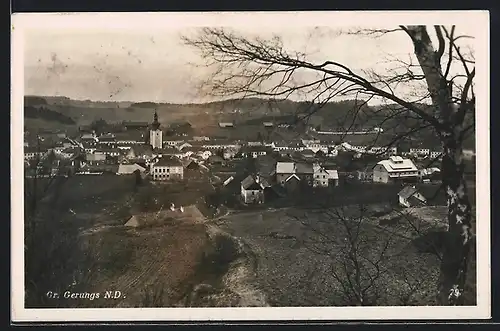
{"points": [[129, 168], [130, 136], [407, 192], [303, 168], [142, 149], [333, 174], [167, 161], [397, 163], [134, 124], [249, 183], [285, 168], [215, 158]]}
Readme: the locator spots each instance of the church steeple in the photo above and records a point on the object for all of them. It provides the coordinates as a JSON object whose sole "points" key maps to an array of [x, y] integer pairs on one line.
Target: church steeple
{"points": [[155, 124]]}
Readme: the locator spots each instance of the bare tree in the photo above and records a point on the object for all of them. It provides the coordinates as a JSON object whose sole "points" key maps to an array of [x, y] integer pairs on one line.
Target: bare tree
{"points": [[364, 257], [48, 243], [246, 66]]}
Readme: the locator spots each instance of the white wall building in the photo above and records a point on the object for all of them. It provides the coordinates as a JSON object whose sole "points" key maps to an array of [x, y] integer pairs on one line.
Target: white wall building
{"points": [[395, 168]]}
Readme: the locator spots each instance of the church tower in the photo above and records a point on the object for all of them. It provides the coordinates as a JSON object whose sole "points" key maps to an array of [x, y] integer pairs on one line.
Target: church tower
{"points": [[155, 134]]}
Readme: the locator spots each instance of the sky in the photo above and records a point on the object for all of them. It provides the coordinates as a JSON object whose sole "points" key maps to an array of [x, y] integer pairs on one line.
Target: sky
{"points": [[123, 62]]}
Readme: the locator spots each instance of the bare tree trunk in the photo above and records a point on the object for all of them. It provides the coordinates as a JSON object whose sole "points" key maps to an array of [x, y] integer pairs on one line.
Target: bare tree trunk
{"points": [[457, 247]]}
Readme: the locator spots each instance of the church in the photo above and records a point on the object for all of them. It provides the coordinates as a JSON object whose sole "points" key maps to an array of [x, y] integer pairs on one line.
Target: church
{"points": [[155, 133]]}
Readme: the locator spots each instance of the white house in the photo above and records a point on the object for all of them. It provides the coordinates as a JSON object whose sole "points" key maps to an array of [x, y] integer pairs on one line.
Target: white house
{"points": [[435, 154], [324, 177], [167, 168], [252, 190], [226, 124], [320, 176], [420, 151], [410, 197], [395, 168]]}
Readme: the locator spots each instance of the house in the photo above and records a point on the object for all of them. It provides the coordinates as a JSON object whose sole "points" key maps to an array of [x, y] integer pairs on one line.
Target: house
{"points": [[333, 177], [95, 158], [144, 152], [229, 153], [172, 142], [254, 151], [280, 146], [435, 154], [305, 172], [366, 174], [128, 138], [216, 159], [109, 151], [395, 168], [420, 151], [323, 177], [135, 125], [107, 139], [292, 184], [308, 153], [252, 191], [409, 196], [201, 138], [181, 146], [220, 145], [283, 171], [226, 124], [167, 168], [128, 169], [254, 143]]}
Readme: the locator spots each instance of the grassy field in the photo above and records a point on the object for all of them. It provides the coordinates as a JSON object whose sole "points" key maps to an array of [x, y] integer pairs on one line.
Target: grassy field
{"points": [[294, 252]]}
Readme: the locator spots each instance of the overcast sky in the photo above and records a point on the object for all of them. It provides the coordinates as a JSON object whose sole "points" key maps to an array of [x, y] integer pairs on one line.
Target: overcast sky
{"points": [[151, 64]]}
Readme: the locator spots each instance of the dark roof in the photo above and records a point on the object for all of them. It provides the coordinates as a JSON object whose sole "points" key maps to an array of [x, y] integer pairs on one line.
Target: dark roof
{"points": [[308, 152], [130, 136], [304, 168], [167, 161], [414, 201], [142, 149], [407, 192], [249, 183], [215, 158], [136, 124]]}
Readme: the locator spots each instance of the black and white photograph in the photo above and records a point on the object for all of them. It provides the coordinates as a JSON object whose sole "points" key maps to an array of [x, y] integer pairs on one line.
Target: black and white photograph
{"points": [[250, 166]]}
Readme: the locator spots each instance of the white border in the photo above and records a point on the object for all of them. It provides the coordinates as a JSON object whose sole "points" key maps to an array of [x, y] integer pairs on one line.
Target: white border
{"points": [[134, 21]]}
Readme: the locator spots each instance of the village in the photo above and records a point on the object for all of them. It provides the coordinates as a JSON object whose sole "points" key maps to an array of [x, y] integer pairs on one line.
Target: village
{"points": [[254, 172], [151, 193]]}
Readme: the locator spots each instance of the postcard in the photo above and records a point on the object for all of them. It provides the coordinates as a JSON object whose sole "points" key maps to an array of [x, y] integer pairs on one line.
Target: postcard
{"points": [[250, 166]]}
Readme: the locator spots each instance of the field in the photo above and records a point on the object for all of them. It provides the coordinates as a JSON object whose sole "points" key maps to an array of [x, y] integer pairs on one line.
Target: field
{"points": [[294, 253], [100, 254]]}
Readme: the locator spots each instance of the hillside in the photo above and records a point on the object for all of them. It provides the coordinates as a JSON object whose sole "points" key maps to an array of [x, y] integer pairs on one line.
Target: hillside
{"points": [[245, 113]]}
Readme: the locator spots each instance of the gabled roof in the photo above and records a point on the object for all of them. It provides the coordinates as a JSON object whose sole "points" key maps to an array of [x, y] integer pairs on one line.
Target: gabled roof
{"points": [[332, 174], [249, 183], [398, 164], [142, 149], [168, 161], [285, 168], [294, 176], [129, 168], [407, 192], [303, 168]]}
